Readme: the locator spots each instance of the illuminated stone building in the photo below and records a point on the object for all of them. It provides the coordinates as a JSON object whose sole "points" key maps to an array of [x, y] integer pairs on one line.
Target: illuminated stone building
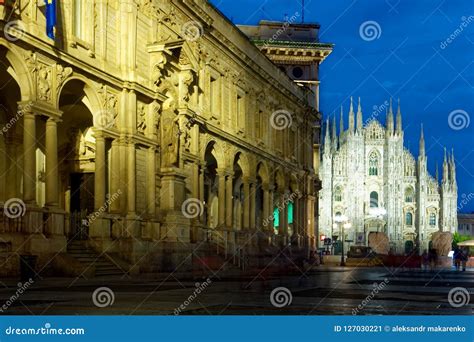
{"points": [[150, 132]]}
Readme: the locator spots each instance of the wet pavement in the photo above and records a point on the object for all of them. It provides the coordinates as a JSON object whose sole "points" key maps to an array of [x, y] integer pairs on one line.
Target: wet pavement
{"points": [[322, 291]]}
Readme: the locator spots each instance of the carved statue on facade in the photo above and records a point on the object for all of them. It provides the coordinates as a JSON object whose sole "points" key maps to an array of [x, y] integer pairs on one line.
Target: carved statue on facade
{"points": [[170, 134]]}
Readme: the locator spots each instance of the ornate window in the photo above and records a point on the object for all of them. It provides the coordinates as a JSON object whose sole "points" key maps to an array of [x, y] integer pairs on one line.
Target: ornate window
{"points": [[409, 195], [338, 194], [432, 219], [373, 164], [374, 199], [409, 219]]}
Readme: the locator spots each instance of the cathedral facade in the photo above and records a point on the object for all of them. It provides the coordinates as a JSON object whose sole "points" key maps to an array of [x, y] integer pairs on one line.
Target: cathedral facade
{"points": [[153, 133], [376, 185]]}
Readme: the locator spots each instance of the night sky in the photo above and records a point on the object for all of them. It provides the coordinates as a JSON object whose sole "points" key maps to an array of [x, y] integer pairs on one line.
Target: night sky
{"points": [[421, 51]]}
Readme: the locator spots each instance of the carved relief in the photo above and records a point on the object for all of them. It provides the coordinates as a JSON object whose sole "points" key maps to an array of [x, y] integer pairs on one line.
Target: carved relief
{"points": [[44, 83], [170, 134], [109, 103], [61, 74], [141, 118]]}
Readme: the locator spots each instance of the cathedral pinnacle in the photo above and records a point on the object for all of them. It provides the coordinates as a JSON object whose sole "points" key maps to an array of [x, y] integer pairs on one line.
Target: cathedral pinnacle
{"points": [[359, 118], [341, 124], [422, 142], [399, 119], [334, 133], [351, 117], [390, 120]]}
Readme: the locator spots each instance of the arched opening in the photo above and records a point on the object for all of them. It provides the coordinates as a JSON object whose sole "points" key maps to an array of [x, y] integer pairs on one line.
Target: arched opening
{"points": [[237, 195], [409, 195], [374, 199], [11, 132], [211, 196], [261, 182], [77, 157], [373, 164], [409, 219]]}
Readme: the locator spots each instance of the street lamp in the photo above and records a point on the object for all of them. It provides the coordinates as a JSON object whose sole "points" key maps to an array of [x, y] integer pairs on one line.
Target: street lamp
{"points": [[343, 222]]}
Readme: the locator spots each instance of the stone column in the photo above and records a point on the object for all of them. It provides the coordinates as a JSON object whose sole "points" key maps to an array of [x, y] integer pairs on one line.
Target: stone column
{"points": [[253, 194], [229, 202], [266, 207], [52, 180], [246, 204], [99, 173], [201, 197], [151, 182], [221, 195], [283, 215], [115, 177], [131, 179], [29, 157]]}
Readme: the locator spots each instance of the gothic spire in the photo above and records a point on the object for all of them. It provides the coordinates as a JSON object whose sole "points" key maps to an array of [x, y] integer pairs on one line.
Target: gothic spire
{"points": [[327, 139], [351, 118], [453, 168], [390, 119], [359, 118], [399, 119], [334, 133], [445, 167], [422, 142], [341, 124]]}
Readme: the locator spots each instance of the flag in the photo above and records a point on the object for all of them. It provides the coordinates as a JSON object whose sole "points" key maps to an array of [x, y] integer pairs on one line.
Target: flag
{"points": [[50, 17]]}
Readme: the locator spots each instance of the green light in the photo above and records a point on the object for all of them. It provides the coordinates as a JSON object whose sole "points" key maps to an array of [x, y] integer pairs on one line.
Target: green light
{"points": [[290, 212]]}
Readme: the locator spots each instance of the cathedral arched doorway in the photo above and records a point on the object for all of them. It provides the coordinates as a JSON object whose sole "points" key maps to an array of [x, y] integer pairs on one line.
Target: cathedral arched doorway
{"points": [[211, 195]]}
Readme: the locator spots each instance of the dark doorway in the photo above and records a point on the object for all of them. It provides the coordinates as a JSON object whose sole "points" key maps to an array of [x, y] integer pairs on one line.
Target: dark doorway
{"points": [[82, 204]]}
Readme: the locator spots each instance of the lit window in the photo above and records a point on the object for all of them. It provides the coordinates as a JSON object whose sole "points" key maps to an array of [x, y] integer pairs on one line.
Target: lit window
{"points": [[374, 199], [409, 195], [432, 219], [276, 218], [290, 212], [338, 194], [409, 219], [373, 164]]}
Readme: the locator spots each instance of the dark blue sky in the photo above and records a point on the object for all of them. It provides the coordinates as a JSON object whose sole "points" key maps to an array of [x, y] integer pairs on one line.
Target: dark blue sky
{"points": [[409, 58]]}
